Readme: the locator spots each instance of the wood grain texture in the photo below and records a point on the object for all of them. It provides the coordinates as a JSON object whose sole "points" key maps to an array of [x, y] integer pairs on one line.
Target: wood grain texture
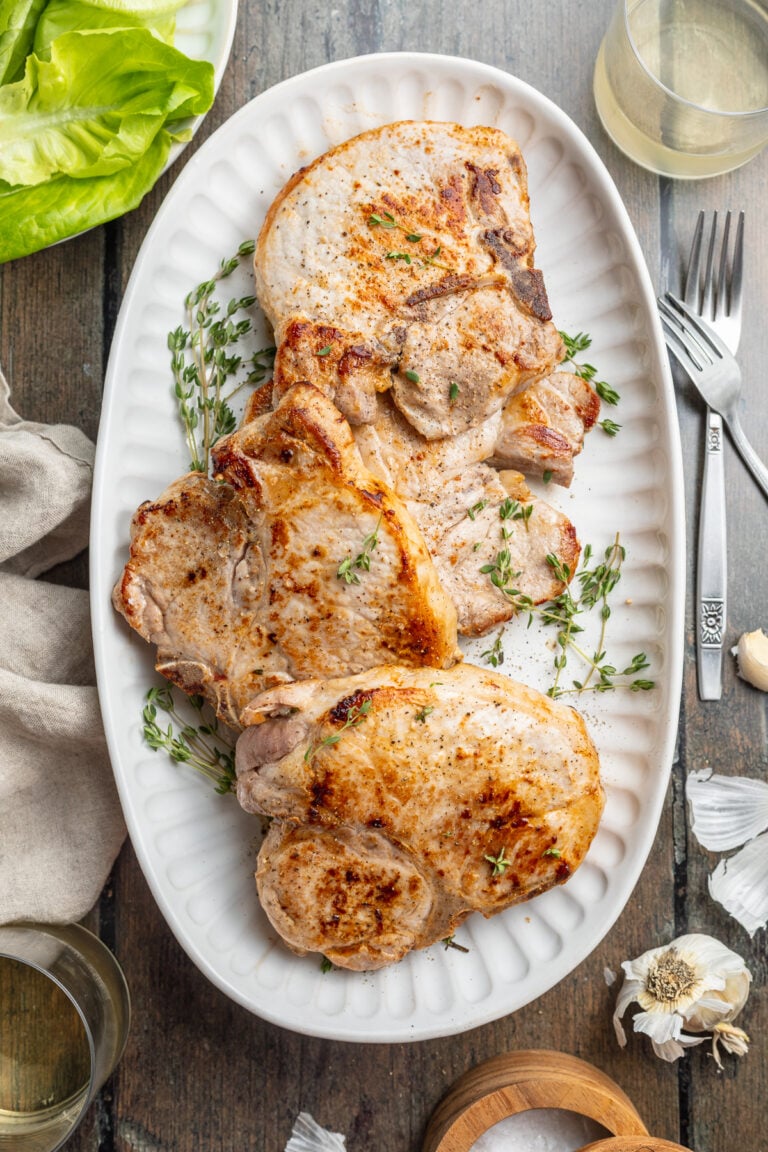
{"points": [[200, 1074], [632, 1144], [522, 1081]]}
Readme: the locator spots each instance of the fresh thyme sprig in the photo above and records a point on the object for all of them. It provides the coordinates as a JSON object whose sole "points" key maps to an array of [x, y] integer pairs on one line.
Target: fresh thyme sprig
{"points": [[450, 942], [500, 863], [355, 716], [476, 508], [503, 577], [203, 362], [575, 345], [513, 510], [388, 221], [495, 654], [594, 586], [348, 569], [500, 568], [204, 748]]}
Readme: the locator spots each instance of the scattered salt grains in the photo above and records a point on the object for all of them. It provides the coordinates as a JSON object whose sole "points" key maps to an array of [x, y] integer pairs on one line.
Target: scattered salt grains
{"points": [[540, 1130], [308, 1136]]}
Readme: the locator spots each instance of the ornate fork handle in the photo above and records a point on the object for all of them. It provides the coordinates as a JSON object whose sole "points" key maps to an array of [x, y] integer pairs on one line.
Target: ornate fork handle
{"points": [[711, 566]]}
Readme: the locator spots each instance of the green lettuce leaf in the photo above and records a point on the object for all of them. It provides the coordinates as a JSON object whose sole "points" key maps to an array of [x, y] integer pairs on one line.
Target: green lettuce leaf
{"points": [[31, 218], [18, 19], [62, 16], [96, 106]]}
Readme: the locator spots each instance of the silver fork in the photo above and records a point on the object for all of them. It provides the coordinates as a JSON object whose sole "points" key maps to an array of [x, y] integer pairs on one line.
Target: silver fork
{"points": [[713, 370], [716, 297]]}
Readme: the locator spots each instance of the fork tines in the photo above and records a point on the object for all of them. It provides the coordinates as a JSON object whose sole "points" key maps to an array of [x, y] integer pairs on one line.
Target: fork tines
{"points": [[716, 296], [687, 335]]}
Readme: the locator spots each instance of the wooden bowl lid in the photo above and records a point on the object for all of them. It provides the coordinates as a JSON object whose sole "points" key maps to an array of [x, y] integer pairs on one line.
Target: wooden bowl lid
{"points": [[536, 1078]]}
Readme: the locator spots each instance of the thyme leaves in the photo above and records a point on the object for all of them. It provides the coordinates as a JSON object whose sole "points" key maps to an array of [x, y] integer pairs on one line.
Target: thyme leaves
{"points": [[207, 369], [390, 223], [349, 568], [204, 747], [495, 654], [499, 863], [594, 585], [355, 716], [574, 346]]}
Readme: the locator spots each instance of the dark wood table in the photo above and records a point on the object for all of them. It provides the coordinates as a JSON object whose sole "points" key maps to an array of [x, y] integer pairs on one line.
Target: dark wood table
{"points": [[201, 1074]]}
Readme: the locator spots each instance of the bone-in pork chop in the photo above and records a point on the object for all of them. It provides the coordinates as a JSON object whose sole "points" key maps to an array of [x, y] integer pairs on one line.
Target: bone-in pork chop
{"points": [[403, 259], [543, 427], [476, 522], [194, 586], [349, 575], [403, 800], [303, 565]]}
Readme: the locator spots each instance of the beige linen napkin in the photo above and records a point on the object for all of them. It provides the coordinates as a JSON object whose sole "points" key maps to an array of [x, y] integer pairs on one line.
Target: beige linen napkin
{"points": [[60, 821]]}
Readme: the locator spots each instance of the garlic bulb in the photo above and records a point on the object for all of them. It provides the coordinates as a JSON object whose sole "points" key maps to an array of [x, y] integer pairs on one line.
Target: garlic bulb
{"points": [[694, 983], [751, 653]]}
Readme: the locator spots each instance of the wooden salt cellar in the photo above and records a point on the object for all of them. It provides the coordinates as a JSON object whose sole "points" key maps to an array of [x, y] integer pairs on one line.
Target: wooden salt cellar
{"points": [[633, 1144], [518, 1081]]}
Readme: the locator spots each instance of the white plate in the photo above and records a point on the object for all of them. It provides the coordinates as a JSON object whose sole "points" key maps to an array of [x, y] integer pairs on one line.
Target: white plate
{"points": [[205, 30], [198, 849]]}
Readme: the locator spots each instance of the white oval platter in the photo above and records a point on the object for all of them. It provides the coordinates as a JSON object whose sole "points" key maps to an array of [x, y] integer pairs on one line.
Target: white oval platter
{"points": [[197, 849]]}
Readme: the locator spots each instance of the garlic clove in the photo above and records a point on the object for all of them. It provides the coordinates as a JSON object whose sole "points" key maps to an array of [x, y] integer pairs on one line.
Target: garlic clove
{"points": [[726, 811], [751, 654], [740, 884]]}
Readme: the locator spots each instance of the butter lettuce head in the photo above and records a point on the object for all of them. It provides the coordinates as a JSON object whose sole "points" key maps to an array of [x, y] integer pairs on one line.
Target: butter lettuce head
{"points": [[72, 130]]}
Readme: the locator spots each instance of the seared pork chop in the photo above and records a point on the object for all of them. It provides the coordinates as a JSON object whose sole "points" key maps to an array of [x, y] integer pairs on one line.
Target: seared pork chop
{"points": [[239, 584], [543, 427], [470, 515], [403, 259], [194, 586], [403, 800], [349, 575], [489, 537]]}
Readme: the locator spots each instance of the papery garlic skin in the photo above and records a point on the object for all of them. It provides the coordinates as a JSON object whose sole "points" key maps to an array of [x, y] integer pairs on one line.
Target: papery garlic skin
{"points": [[740, 884], [694, 983], [308, 1136], [751, 654], [726, 811]]}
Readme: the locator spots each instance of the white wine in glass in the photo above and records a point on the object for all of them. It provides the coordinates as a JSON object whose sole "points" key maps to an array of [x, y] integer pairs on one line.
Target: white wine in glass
{"points": [[681, 86]]}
